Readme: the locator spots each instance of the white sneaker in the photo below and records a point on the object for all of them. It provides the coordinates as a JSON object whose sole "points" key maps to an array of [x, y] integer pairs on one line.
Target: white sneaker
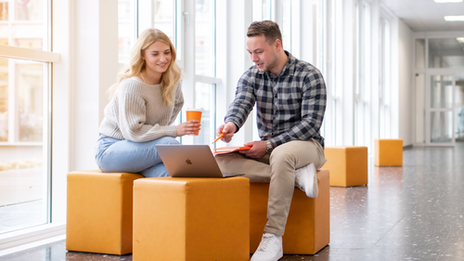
{"points": [[306, 180], [270, 248]]}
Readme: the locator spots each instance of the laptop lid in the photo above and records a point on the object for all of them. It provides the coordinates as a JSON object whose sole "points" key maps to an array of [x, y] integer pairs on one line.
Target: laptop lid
{"points": [[189, 161]]}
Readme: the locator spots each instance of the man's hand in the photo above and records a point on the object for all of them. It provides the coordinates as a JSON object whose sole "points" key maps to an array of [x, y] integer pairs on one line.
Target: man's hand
{"points": [[258, 149], [228, 129]]}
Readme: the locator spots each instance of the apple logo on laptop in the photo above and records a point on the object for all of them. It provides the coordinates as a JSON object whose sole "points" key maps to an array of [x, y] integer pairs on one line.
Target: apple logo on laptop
{"points": [[188, 161]]}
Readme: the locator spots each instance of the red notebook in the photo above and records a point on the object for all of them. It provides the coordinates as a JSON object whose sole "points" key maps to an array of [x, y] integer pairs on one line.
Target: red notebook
{"points": [[229, 149]]}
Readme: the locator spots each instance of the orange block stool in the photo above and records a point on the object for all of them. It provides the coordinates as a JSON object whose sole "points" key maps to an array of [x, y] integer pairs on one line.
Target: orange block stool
{"points": [[388, 152], [191, 219], [347, 165], [99, 212], [308, 223]]}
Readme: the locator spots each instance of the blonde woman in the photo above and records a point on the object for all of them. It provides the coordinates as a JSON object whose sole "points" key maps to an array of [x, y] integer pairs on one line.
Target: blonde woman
{"points": [[144, 103]]}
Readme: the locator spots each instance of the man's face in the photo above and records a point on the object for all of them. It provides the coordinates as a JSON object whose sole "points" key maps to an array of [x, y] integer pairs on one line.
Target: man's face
{"points": [[262, 53]]}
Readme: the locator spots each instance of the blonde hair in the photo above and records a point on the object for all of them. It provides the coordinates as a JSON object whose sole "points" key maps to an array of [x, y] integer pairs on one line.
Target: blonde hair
{"points": [[137, 64]]}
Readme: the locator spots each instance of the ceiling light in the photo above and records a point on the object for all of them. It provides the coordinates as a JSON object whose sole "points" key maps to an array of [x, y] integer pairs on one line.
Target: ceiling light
{"points": [[460, 39], [453, 18], [448, 1]]}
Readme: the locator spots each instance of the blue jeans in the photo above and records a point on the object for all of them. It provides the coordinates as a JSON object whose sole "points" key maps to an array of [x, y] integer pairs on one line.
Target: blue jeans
{"points": [[113, 155]]}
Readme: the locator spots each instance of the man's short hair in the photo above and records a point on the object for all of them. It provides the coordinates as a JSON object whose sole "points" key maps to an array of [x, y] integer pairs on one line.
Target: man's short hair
{"points": [[268, 28]]}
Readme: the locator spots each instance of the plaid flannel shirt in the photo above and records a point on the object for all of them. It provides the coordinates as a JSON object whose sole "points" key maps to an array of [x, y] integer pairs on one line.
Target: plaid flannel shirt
{"points": [[290, 106]]}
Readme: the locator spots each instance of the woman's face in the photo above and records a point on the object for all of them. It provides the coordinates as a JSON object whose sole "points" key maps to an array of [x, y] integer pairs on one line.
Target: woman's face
{"points": [[157, 58]]}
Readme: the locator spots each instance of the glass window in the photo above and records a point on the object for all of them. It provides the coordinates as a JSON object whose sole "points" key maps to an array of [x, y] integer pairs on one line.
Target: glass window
{"points": [[441, 126], [384, 85], [29, 102], [4, 93], [367, 53], [357, 47], [459, 106], [318, 35], [262, 10], [420, 53], [164, 15], [287, 25], [420, 108], [23, 165], [4, 11], [205, 94], [126, 29], [24, 125], [16, 31], [441, 95], [29, 10], [446, 53], [362, 74], [205, 48]]}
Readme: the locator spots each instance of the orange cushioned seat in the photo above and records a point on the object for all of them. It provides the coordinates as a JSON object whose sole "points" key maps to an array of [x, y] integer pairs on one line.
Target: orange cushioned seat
{"points": [[388, 152], [99, 212], [308, 223], [191, 219], [347, 165]]}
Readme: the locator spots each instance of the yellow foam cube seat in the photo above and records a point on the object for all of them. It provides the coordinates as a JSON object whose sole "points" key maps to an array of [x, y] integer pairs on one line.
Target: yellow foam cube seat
{"points": [[347, 165], [191, 219], [99, 212], [388, 152], [308, 223]]}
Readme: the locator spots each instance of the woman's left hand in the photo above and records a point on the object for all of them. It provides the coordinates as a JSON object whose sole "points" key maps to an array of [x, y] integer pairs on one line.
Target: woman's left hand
{"points": [[188, 128]]}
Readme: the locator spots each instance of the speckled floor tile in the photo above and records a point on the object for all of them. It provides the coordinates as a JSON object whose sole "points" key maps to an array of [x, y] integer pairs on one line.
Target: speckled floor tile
{"points": [[413, 212]]}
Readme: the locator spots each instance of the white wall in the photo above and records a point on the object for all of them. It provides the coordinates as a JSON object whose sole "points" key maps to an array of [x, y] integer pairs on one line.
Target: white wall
{"points": [[405, 84], [94, 70]]}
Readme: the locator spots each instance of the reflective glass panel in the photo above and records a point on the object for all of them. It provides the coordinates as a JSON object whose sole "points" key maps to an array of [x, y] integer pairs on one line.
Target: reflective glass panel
{"points": [[441, 126], [205, 94], [164, 15], [4, 11], [4, 100], [287, 25], [459, 107], [441, 91], [29, 10], [29, 101], [205, 48], [24, 25], [446, 53], [23, 165], [420, 108], [126, 29]]}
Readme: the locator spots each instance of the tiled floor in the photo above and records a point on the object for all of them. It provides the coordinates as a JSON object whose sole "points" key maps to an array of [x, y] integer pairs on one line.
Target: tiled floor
{"points": [[414, 212]]}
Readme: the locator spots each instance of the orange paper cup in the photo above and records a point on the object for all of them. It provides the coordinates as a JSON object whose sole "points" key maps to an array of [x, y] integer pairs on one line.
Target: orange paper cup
{"points": [[194, 114]]}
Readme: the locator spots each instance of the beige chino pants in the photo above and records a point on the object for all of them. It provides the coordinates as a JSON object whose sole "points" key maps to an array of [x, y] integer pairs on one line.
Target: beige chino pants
{"points": [[279, 170]]}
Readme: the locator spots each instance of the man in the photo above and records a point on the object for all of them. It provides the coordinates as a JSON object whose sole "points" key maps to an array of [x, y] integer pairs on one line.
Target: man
{"points": [[290, 96]]}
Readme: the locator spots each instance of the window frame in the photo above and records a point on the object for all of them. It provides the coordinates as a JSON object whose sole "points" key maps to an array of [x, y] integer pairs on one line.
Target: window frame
{"points": [[53, 63]]}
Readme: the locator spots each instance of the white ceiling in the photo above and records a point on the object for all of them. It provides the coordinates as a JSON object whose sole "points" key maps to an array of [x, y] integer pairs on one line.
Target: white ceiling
{"points": [[426, 15]]}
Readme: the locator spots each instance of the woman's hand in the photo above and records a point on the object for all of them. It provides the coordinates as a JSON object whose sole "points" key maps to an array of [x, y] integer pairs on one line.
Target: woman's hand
{"points": [[188, 128]]}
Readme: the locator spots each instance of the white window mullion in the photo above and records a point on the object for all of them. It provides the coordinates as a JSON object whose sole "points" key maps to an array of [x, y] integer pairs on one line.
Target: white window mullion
{"points": [[188, 15], [207, 79], [11, 105], [180, 34], [295, 28]]}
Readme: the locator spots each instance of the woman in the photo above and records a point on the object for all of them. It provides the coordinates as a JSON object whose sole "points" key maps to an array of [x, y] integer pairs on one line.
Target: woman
{"points": [[144, 103]]}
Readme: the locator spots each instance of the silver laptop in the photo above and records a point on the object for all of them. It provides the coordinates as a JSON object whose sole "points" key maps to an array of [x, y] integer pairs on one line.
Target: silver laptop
{"points": [[194, 161]]}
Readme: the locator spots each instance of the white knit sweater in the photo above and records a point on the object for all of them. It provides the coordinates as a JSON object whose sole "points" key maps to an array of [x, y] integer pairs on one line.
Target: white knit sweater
{"points": [[137, 112]]}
